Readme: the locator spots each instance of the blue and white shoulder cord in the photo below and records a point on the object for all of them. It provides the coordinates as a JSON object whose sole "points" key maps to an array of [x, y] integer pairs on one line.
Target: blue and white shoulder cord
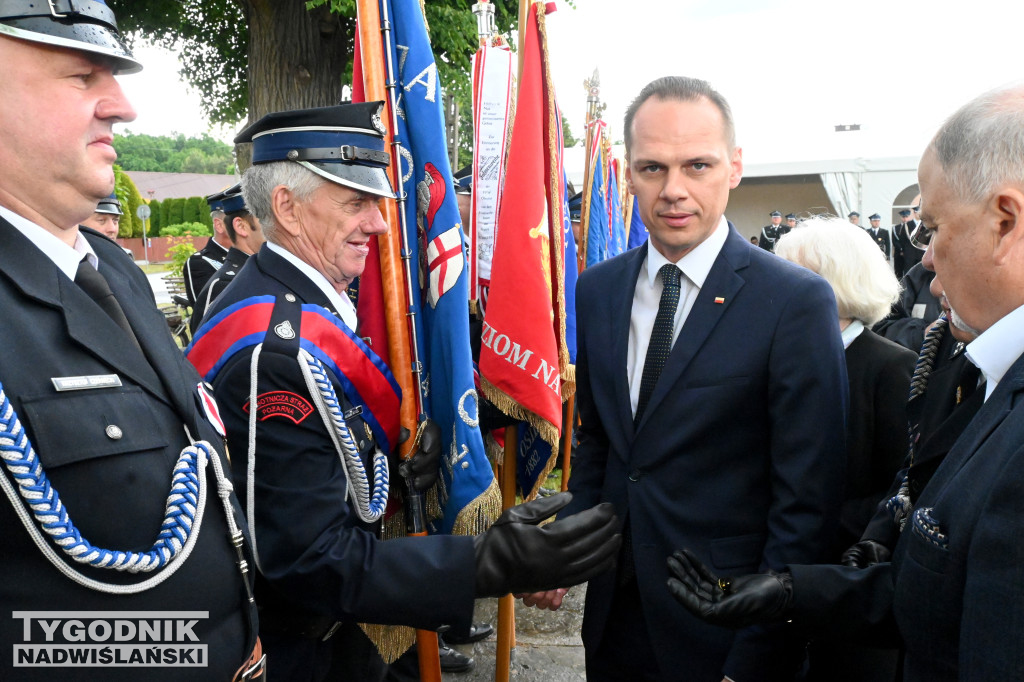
{"points": [[43, 512], [369, 503]]}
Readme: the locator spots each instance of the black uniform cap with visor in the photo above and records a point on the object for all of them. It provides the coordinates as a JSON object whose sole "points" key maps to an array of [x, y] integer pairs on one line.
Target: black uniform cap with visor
{"points": [[342, 143], [87, 25], [111, 205]]}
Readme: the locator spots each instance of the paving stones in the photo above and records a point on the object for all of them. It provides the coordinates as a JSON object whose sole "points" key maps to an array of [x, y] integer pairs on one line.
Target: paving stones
{"points": [[548, 646]]}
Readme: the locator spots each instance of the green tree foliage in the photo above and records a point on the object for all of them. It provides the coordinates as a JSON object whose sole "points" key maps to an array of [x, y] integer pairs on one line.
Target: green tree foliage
{"points": [[154, 220], [175, 211], [568, 139], [130, 198], [174, 153], [186, 230], [224, 44], [165, 213], [193, 211], [180, 251]]}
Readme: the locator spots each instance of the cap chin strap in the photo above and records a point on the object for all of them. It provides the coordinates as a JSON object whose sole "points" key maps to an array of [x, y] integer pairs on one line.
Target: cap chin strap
{"points": [[97, 12]]}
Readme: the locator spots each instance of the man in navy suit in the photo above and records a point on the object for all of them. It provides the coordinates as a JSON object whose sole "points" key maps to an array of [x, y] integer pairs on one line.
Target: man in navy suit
{"points": [[739, 450], [955, 585]]}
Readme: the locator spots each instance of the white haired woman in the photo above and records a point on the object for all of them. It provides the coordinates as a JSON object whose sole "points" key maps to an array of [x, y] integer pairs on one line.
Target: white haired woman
{"points": [[879, 374]]}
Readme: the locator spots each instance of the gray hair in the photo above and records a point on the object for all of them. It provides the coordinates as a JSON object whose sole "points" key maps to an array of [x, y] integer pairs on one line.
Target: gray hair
{"points": [[259, 181], [680, 89], [849, 260], [981, 146]]}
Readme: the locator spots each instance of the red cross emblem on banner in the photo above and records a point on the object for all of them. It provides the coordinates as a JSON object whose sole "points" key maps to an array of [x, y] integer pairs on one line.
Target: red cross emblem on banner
{"points": [[444, 263]]}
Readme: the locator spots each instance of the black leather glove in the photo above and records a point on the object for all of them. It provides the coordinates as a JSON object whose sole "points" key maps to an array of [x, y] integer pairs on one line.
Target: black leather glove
{"points": [[729, 602], [866, 553], [421, 470], [516, 555]]}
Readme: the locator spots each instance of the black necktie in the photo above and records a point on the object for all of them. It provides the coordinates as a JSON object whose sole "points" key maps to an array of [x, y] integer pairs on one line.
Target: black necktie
{"points": [[661, 336], [94, 284]]}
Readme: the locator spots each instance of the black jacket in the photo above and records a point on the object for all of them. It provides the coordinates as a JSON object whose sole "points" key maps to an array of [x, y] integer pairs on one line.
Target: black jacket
{"points": [[109, 453]]}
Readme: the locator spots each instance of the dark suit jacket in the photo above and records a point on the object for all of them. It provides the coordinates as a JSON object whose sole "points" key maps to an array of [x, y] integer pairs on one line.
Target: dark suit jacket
{"points": [[955, 586], [940, 415], [902, 325], [115, 488], [317, 559], [740, 453], [213, 288], [200, 267], [881, 237], [879, 372], [904, 254]]}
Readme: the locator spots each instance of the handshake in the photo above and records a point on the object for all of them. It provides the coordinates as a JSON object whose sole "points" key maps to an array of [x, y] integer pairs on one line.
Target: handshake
{"points": [[516, 554]]}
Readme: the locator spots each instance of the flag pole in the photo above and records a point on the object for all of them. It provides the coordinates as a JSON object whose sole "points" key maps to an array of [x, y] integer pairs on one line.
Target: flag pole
{"points": [[593, 86], [396, 299], [507, 604]]}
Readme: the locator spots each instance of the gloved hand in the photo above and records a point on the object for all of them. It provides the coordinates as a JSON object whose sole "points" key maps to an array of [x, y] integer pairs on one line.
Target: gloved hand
{"points": [[421, 470], [729, 602], [866, 553], [516, 555]]}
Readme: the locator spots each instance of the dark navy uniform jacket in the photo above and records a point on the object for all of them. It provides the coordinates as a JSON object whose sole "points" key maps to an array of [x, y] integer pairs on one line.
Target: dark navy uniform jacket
{"points": [[114, 487], [233, 263], [200, 267], [317, 559], [955, 582]]}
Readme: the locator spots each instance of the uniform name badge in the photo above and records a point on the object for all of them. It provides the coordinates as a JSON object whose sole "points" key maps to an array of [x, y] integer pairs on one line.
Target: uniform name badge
{"points": [[83, 383]]}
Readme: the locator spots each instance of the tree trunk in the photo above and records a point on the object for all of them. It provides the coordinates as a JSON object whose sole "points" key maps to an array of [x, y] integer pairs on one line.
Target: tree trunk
{"points": [[297, 57]]}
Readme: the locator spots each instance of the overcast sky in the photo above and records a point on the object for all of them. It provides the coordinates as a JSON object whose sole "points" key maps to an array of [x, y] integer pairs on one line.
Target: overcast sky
{"points": [[791, 69]]}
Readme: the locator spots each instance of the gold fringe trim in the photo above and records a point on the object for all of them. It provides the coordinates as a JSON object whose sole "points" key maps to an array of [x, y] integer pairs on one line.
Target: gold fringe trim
{"points": [[509, 406], [391, 640], [555, 191], [478, 515], [433, 504], [495, 452], [556, 454], [393, 526]]}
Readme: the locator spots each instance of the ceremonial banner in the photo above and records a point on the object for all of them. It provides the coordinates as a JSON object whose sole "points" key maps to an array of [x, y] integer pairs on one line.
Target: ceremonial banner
{"points": [[524, 362], [536, 457], [370, 304], [468, 492], [595, 201], [493, 92], [637, 229], [616, 225]]}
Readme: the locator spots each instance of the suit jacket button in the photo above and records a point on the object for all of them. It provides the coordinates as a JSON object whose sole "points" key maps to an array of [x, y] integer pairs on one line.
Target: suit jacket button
{"points": [[113, 432], [635, 475]]}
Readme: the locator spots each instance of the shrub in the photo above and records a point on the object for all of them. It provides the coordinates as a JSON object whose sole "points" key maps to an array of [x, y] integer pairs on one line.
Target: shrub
{"points": [[186, 230]]}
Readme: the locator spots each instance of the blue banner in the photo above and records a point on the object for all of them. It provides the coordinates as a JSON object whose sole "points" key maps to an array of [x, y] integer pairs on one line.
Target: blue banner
{"points": [[597, 227], [436, 242], [617, 231], [637, 229]]}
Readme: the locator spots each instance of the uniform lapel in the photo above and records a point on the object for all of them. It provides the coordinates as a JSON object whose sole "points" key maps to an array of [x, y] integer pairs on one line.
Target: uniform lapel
{"points": [[722, 283], [150, 328], [39, 278], [987, 420], [292, 279]]}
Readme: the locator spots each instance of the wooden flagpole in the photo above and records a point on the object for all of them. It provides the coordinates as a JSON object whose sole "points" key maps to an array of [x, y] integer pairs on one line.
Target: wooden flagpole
{"points": [[395, 303], [506, 604]]}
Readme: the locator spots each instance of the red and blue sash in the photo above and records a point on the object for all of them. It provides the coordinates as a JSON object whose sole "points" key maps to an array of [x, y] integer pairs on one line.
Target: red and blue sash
{"points": [[362, 375]]}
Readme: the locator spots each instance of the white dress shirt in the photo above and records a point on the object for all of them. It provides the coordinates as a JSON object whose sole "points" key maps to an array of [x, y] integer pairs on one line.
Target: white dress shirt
{"points": [[341, 302], [695, 267], [995, 351], [65, 257], [852, 331]]}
